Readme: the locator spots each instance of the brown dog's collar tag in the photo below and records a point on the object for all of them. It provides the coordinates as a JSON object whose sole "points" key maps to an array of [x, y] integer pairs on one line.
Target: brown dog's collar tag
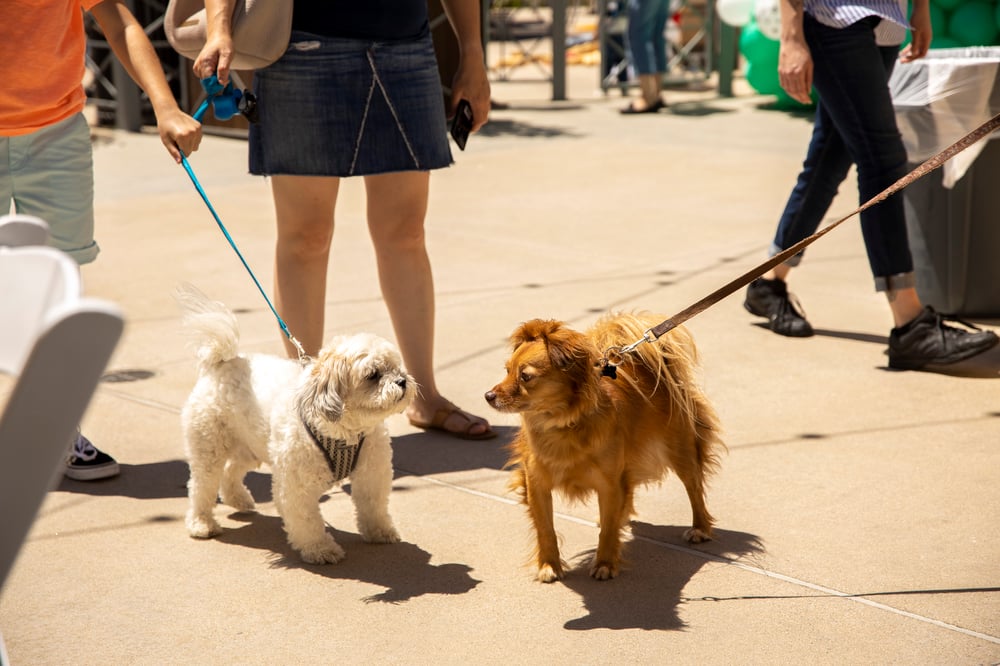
{"points": [[613, 356]]}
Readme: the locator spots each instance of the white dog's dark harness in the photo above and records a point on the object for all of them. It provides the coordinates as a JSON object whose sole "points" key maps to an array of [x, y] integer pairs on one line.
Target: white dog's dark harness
{"points": [[341, 455]]}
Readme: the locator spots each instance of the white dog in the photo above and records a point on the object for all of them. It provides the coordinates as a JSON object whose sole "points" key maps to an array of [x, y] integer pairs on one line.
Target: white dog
{"points": [[314, 424]]}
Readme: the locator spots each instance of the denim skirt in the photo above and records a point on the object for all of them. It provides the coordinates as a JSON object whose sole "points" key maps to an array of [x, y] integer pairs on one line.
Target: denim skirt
{"points": [[347, 107]]}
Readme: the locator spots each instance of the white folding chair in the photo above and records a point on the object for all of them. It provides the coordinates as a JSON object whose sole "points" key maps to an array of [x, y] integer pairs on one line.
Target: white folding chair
{"points": [[56, 344]]}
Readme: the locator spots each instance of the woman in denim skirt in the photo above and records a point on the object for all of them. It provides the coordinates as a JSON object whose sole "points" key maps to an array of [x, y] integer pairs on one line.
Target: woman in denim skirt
{"points": [[357, 93]]}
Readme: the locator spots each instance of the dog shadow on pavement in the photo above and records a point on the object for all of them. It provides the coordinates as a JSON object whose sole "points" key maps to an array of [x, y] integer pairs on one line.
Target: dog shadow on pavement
{"points": [[160, 480], [403, 569], [425, 453], [648, 593]]}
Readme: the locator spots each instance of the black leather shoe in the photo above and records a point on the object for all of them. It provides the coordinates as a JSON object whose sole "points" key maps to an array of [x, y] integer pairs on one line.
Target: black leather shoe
{"points": [[770, 298], [631, 109], [928, 340]]}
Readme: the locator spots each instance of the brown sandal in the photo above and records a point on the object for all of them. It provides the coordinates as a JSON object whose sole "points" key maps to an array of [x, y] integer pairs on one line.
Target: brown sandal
{"points": [[442, 415]]}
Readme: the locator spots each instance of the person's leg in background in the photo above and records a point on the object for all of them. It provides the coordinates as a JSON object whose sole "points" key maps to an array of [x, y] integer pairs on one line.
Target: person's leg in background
{"points": [[867, 123], [304, 210], [824, 169], [646, 45], [49, 174], [397, 207], [851, 73], [855, 122]]}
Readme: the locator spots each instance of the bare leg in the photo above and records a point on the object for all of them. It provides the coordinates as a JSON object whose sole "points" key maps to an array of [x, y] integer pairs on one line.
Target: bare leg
{"points": [[779, 272], [905, 305], [304, 207], [651, 85], [397, 206]]}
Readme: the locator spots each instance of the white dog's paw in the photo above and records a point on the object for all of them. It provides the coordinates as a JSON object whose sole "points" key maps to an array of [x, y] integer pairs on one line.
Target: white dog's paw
{"points": [[380, 534], [327, 551], [203, 527], [239, 498]]}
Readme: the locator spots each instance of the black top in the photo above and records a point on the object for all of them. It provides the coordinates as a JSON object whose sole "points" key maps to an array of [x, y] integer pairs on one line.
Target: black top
{"points": [[378, 20]]}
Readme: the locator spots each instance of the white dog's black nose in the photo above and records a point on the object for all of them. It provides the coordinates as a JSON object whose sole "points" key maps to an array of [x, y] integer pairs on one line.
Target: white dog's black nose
{"points": [[401, 383]]}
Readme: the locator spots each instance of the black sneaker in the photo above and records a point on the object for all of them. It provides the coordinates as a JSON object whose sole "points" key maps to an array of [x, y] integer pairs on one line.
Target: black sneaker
{"points": [[87, 463], [927, 340], [770, 298]]}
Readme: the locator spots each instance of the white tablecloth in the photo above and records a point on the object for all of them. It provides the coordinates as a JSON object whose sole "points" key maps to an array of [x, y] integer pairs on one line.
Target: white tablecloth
{"points": [[942, 97]]}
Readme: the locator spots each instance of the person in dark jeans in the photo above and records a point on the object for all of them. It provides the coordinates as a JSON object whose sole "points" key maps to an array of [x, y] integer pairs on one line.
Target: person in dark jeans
{"points": [[646, 42], [848, 53]]}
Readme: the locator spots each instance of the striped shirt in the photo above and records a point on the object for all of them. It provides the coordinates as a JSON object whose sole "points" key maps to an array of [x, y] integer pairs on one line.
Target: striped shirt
{"points": [[842, 13]]}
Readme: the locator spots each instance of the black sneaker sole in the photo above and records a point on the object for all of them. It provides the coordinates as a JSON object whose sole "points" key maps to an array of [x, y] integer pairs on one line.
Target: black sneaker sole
{"points": [[906, 364], [92, 472], [770, 323]]}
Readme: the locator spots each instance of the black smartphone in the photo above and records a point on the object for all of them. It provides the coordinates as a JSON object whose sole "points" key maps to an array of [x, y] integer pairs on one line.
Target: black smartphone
{"points": [[461, 124]]}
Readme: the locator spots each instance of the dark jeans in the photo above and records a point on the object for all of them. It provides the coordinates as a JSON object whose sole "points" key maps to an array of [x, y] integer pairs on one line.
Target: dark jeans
{"points": [[645, 39], [855, 123]]}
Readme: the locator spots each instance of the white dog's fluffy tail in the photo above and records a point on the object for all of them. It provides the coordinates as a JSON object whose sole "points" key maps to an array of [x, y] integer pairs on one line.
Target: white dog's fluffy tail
{"points": [[210, 324]]}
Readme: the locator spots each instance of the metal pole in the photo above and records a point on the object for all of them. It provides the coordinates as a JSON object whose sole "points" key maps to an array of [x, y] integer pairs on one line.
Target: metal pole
{"points": [[558, 50], [727, 58], [128, 111]]}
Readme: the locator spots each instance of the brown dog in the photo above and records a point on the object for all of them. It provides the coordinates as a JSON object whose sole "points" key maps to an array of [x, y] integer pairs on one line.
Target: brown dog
{"points": [[583, 432]]}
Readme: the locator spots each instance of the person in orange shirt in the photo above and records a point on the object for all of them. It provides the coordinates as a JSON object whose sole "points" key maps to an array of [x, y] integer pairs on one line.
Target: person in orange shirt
{"points": [[46, 159]]}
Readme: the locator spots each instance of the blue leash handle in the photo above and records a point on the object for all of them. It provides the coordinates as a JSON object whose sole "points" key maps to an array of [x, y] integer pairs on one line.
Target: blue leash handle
{"points": [[214, 91]]}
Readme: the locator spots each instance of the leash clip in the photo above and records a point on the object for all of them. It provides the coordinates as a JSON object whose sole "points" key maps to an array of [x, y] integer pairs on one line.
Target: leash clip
{"points": [[615, 356]]}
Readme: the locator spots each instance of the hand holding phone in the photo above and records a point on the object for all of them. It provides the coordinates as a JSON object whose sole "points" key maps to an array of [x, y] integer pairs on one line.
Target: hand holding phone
{"points": [[461, 124]]}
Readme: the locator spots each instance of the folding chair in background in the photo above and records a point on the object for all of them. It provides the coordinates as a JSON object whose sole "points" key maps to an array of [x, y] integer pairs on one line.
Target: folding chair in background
{"points": [[55, 344]]}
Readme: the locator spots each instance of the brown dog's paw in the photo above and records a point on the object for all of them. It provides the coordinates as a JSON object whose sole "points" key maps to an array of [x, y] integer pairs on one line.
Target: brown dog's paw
{"points": [[548, 573], [603, 570], [695, 535]]}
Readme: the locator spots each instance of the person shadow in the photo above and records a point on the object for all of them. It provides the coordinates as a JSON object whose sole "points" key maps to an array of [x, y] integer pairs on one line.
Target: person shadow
{"points": [[647, 594]]}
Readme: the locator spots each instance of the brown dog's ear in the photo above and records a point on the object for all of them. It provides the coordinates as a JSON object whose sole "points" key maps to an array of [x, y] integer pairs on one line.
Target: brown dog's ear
{"points": [[536, 329], [569, 351]]}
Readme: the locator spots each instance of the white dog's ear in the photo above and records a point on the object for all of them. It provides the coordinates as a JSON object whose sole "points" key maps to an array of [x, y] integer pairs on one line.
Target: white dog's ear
{"points": [[319, 396]]}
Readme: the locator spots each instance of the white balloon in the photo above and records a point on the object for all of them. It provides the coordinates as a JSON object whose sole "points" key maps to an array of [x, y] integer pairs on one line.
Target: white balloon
{"points": [[734, 12], [768, 16]]}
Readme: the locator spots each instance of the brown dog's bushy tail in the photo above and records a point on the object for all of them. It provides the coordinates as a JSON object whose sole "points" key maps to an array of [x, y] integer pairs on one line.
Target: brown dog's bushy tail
{"points": [[211, 325]]}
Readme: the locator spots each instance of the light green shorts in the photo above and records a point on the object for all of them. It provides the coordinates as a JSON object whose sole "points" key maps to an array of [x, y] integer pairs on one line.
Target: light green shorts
{"points": [[50, 174]]}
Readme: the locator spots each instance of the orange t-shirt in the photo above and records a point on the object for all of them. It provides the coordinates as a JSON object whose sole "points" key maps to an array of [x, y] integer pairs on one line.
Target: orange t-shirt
{"points": [[42, 62]]}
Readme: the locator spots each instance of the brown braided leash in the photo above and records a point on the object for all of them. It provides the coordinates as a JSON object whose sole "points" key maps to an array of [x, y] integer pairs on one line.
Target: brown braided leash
{"points": [[613, 356]]}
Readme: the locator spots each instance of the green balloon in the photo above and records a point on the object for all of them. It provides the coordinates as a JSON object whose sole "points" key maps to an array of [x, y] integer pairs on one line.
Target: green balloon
{"points": [[763, 79], [939, 20], [946, 4], [973, 24], [786, 102], [757, 48], [944, 42], [761, 53]]}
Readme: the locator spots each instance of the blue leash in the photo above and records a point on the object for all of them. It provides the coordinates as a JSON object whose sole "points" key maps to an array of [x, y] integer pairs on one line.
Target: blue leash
{"points": [[224, 101]]}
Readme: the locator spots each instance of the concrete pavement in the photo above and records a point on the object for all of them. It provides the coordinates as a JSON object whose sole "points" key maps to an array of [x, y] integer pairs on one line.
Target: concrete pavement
{"points": [[857, 507]]}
